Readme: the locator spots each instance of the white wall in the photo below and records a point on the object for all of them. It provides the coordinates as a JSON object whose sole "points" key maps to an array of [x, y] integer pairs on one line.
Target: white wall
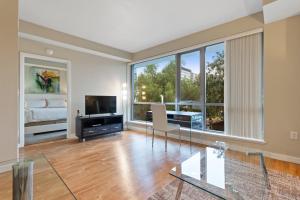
{"points": [[90, 75], [96, 77]]}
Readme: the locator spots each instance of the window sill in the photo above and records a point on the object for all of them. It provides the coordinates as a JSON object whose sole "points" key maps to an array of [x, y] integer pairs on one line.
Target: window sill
{"points": [[208, 133]]}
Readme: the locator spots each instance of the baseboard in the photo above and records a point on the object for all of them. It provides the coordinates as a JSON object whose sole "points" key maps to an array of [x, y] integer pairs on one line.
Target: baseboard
{"points": [[72, 136], [6, 168], [239, 148], [282, 157]]}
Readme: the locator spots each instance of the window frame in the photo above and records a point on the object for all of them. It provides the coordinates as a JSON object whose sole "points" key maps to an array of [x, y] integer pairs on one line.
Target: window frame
{"points": [[202, 103]]}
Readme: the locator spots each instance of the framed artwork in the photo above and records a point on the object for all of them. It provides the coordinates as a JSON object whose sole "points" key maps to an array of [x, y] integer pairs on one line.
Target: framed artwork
{"points": [[42, 80]]}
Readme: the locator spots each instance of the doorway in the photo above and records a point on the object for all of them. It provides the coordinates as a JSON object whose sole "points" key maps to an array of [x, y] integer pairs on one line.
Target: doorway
{"points": [[45, 99]]}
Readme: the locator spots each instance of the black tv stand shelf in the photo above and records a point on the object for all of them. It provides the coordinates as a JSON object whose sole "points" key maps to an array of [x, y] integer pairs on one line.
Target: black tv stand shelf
{"points": [[89, 127]]}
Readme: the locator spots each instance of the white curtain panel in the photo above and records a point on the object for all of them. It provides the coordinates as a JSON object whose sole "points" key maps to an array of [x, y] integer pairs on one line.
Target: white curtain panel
{"points": [[243, 87]]}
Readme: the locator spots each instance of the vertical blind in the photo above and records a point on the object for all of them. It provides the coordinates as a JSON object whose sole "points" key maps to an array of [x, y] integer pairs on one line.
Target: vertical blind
{"points": [[243, 87]]}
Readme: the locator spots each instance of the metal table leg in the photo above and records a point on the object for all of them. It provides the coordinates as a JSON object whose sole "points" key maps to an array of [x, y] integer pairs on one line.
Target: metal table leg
{"points": [[263, 166], [179, 190], [179, 136], [146, 128], [191, 139], [152, 137]]}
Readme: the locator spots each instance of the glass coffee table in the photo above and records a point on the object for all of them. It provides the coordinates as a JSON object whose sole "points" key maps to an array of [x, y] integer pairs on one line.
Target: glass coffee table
{"points": [[224, 174], [32, 177]]}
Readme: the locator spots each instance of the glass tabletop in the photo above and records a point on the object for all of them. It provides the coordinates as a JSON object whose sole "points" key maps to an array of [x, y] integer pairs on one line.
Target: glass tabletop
{"points": [[224, 174], [32, 174]]}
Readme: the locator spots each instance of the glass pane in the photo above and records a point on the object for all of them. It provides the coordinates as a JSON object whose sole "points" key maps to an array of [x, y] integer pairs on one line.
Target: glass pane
{"points": [[197, 120], [155, 78], [215, 118], [220, 173], [139, 111], [214, 64], [190, 77]]}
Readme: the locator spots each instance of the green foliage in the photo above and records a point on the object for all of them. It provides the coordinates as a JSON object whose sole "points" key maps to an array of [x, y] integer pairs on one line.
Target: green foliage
{"points": [[151, 84], [215, 80], [139, 111], [215, 87], [190, 89]]}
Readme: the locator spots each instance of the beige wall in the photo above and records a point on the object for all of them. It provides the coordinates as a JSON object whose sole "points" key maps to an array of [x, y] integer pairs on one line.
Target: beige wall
{"points": [[282, 85], [281, 77], [30, 28], [90, 75], [8, 79]]}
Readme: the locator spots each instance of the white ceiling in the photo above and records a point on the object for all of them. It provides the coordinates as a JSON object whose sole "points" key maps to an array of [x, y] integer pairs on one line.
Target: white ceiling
{"points": [[134, 25], [281, 9]]}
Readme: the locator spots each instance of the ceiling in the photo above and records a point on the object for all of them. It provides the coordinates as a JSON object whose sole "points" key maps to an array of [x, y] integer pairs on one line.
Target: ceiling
{"points": [[134, 25], [281, 9]]}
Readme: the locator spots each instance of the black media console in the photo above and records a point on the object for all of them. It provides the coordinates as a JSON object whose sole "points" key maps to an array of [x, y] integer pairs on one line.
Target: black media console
{"points": [[89, 127]]}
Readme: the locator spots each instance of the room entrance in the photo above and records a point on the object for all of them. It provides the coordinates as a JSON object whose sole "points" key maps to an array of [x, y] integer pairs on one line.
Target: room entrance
{"points": [[44, 99]]}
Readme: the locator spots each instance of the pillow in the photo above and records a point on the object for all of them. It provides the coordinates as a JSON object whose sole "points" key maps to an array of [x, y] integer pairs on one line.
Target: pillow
{"points": [[36, 103], [56, 103]]}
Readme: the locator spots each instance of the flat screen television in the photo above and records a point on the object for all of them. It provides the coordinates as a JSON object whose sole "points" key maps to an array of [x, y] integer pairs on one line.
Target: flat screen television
{"points": [[100, 104]]}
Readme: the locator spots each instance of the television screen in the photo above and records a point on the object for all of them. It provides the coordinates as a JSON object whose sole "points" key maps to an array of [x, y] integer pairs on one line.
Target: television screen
{"points": [[100, 104]]}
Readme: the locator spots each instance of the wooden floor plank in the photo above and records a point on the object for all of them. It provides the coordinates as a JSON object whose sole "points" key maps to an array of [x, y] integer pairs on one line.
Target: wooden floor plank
{"points": [[123, 166]]}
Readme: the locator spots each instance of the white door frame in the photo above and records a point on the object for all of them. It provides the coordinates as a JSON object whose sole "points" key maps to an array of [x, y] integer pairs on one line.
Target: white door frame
{"points": [[24, 55]]}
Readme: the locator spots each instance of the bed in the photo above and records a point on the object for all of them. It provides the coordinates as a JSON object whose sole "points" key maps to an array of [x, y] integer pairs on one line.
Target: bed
{"points": [[45, 115]]}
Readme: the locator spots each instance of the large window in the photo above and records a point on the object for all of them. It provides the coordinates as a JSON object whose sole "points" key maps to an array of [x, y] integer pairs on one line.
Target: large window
{"points": [[190, 81], [193, 81], [190, 86], [214, 67], [190, 77], [152, 81]]}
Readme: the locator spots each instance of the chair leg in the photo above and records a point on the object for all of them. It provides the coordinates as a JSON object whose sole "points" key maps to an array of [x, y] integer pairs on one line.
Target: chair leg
{"points": [[152, 137], [166, 140]]}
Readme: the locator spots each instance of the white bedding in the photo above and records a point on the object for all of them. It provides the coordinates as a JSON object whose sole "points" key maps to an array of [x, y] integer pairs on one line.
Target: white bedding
{"points": [[44, 114]]}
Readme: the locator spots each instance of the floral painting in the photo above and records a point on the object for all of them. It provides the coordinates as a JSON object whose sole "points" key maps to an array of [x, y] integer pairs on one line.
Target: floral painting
{"points": [[44, 80]]}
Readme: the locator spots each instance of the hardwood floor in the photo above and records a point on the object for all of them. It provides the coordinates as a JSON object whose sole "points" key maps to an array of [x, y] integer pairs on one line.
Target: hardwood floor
{"points": [[122, 166]]}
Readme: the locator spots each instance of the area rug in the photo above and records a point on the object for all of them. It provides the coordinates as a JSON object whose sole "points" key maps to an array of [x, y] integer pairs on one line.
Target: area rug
{"points": [[283, 186]]}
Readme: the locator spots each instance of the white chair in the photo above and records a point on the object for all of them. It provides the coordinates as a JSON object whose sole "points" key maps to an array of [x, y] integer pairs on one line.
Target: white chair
{"points": [[160, 122]]}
